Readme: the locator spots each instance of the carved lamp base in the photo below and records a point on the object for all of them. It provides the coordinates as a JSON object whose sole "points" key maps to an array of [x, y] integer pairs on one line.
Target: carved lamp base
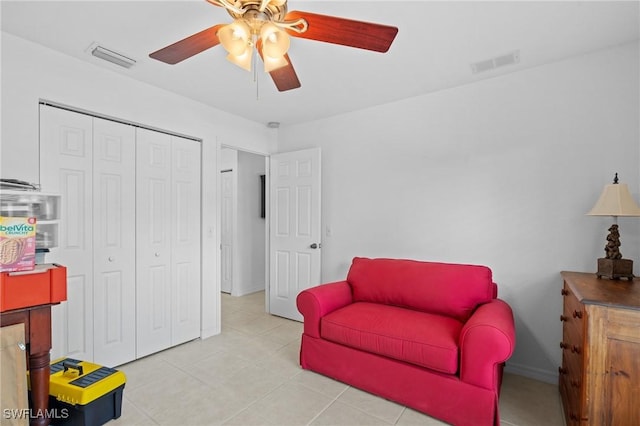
{"points": [[615, 269]]}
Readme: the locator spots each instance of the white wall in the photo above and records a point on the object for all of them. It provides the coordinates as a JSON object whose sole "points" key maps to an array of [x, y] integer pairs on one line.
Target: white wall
{"points": [[250, 237], [31, 72], [499, 173], [251, 227]]}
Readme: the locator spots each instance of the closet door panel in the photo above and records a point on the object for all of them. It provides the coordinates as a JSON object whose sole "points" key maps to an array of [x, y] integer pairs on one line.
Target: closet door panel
{"points": [[153, 242], [114, 242], [66, 168], [185, 241]]}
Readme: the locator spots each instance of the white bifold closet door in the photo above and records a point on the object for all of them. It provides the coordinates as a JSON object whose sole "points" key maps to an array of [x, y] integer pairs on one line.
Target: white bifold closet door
{"points": [[129, 236], [168, 241], [114, 240], [90, 162], [66, 168]]}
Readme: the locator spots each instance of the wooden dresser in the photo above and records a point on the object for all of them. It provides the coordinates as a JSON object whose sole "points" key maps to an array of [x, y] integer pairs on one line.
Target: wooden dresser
{"points": [[600, 374]]}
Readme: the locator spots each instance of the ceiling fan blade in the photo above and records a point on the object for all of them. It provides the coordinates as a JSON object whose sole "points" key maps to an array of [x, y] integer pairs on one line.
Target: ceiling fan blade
{"points": [[346, 32], [285, 78], [188, 47]]}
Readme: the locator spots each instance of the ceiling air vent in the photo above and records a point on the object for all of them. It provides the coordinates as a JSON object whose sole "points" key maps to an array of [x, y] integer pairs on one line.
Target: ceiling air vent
{"points": [[111, 56], [498, 61]]}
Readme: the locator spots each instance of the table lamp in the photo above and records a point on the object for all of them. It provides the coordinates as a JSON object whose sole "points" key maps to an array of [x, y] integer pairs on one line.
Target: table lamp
{"points": [[615, 201]]}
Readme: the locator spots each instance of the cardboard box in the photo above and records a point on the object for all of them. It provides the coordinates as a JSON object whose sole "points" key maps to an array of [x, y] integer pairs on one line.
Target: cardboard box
{"points": [[17, 243]]}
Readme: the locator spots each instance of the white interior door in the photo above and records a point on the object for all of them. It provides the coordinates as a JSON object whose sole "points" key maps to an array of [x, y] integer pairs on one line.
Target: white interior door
{"points": [[114, 240], [226, 235], [294, 228]]}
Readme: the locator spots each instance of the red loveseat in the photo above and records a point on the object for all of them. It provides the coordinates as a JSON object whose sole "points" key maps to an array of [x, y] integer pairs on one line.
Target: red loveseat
{"points": [[431, 336]]}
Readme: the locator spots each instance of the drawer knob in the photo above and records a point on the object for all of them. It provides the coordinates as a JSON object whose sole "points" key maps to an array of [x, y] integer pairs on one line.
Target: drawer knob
{"points": [[575, 349], [564, 345], [562, 370], [564, 292], [577, 314], [564, 318]]}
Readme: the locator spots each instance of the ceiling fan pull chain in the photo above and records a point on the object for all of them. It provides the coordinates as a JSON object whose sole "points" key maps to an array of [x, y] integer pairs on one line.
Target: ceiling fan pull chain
{"points": [[253, 65], [256, 77]]}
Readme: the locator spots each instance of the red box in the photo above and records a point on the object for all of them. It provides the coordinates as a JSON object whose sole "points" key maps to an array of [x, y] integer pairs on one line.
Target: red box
{"points": [[43, 285]]}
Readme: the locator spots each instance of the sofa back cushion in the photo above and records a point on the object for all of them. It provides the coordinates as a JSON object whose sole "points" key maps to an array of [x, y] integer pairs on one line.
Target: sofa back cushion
{"points": [[442, 288]]}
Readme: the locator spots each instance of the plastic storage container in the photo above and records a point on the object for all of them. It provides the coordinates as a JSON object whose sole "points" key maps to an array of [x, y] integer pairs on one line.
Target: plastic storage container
{"points": [[45, 207], [84, 394]]}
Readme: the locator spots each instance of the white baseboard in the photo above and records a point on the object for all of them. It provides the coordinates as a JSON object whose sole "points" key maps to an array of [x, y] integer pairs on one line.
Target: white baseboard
{"points": [[249, 290], [532, 373]]}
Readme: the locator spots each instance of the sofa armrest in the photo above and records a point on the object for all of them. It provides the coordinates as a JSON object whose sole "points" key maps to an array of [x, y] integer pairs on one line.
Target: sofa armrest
{"points": [[486, 341], [314, 303]]}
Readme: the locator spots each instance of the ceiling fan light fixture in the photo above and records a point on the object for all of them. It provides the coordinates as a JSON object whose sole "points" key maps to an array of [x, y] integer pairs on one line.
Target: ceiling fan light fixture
{"points": [[266, 25], [275, 42], [235, 37], [243, 60]]}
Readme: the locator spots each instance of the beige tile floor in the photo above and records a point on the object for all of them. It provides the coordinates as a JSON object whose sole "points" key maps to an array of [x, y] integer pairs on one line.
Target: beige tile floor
{"points": [[249, 375]]}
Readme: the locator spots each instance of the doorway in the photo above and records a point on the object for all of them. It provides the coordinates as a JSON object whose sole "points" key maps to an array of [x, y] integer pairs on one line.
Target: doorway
{"points": [[243, 225]]}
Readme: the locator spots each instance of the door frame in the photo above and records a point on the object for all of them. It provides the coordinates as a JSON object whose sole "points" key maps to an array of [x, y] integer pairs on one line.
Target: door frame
{"points": [[267, 271], [220, 168]]}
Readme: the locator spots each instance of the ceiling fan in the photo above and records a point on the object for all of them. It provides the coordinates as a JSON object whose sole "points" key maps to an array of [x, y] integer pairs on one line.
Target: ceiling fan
{"points": [[266, 25]]}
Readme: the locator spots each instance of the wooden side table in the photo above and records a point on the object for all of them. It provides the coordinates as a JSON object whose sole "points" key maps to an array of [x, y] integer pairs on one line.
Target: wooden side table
{"points": [[26, 298], [600, 345], [37, 326]]}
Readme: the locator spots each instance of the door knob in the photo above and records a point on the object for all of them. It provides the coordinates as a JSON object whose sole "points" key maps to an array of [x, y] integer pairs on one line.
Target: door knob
{"points": [[315, 246]]}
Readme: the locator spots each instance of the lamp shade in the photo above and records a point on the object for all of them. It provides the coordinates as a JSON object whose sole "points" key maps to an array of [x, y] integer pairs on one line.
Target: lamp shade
{"points": [[235, 37], [243, 60], [275, 42], [615, 200]]}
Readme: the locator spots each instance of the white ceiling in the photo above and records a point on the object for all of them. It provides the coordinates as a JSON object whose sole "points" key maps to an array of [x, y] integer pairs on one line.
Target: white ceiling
{"points": [[436, 43]]}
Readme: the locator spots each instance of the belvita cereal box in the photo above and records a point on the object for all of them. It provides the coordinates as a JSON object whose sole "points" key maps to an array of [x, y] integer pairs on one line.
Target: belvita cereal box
{"points": [[17, 243]]}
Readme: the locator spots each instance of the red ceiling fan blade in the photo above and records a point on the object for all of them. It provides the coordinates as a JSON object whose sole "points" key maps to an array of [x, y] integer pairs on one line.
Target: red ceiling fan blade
{"points": [[346, 32], [285, 78], [186, 48]]}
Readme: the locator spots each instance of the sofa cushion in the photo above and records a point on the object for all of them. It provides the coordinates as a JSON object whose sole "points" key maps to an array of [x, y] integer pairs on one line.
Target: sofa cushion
{"points": [[415, 337], [441, 288]]}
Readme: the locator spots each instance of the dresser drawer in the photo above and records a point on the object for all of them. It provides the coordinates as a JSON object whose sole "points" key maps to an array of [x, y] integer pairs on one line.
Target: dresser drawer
{"points": [[573, 311], [572, 401], [572, 378]]}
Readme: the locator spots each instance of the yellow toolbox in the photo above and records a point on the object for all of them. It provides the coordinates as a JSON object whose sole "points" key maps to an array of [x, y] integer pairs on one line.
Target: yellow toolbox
{"points": [[86, 394]]}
